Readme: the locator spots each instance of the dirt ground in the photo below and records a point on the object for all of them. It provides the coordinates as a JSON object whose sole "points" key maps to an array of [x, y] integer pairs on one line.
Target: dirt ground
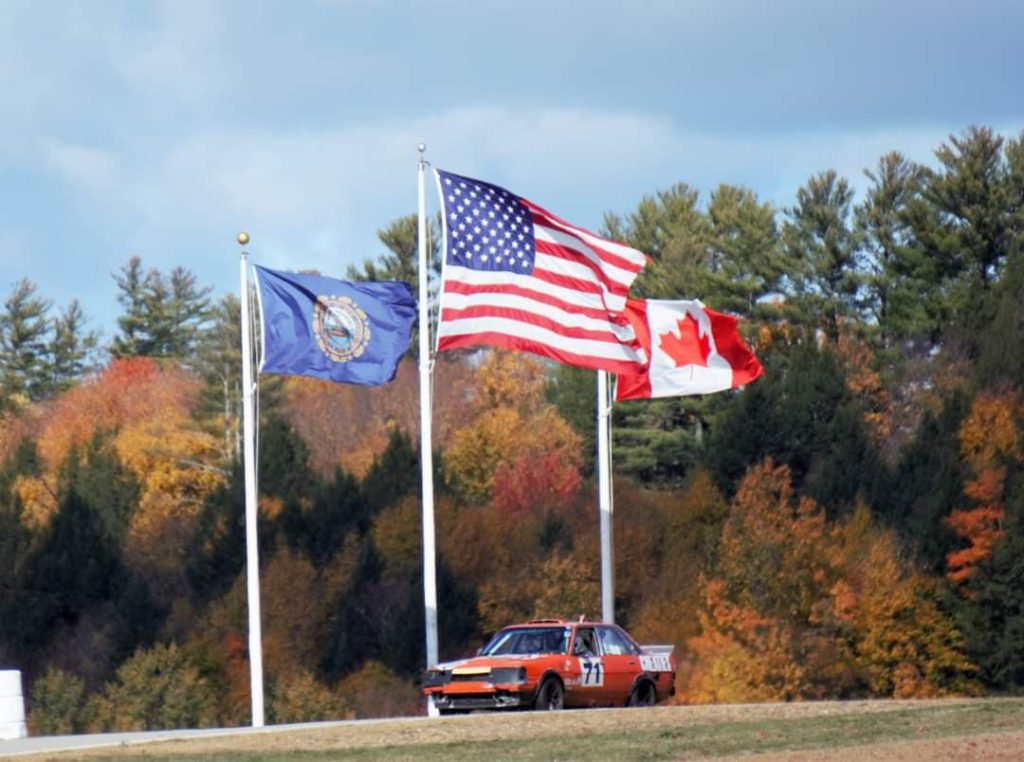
{"points": [[1004, 742]]}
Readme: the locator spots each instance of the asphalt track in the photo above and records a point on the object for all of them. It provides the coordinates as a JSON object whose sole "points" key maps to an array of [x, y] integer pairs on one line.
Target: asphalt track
{"points": [[45, 744]]}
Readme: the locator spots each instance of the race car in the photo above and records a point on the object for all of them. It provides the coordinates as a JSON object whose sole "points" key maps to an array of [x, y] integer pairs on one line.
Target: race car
{"points": [[550, 664]]}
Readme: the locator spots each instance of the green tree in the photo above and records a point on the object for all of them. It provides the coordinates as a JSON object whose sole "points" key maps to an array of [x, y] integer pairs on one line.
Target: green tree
{"points": [[746, 262], [24, 331], [900, 296], [70, 348], [824, 246], [928, 483], [670, 228], [993, 613], [163, 315], [400, 261]]}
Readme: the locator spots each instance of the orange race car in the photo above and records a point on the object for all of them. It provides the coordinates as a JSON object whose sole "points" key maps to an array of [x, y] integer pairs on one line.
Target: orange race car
{"points": [[551, 664]]}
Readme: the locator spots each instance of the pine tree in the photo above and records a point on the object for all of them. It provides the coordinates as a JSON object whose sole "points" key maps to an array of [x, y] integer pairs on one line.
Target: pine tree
{"points": [[900, 296], [24, 330], [70, 347], [163, 316], [825, 249], [746, 262]]}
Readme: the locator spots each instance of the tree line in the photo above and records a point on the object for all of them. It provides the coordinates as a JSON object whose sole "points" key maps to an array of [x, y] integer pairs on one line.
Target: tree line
{"points": [[848, 526]]}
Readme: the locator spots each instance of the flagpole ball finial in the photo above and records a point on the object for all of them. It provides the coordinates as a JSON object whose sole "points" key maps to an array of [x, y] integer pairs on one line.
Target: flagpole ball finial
{"points": [[421, 147], [243, 238]]}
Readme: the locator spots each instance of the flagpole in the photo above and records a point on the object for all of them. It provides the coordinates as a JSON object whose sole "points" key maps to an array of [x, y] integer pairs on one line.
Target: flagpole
{"points": [[426, 434], [252, 564], [604, 499]]}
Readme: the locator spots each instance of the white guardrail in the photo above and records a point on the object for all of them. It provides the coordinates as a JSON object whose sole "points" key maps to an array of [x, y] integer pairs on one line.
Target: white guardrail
{"points": [[12, 706]]}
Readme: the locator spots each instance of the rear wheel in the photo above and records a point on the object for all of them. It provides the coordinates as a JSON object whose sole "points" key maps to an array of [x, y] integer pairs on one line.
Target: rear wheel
{"points": [[643, 694], [551, 696]]}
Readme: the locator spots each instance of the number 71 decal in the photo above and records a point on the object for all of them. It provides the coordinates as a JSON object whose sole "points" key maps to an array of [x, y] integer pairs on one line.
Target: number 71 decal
{"points": [[591, 673]]}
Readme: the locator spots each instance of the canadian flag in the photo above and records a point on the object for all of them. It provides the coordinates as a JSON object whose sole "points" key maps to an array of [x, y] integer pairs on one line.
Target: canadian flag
{"points": [[693, 350]]}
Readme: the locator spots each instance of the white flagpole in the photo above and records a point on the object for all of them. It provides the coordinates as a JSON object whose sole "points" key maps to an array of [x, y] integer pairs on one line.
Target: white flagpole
{"points": [[604, 478], [426, 436], [252, 564]]}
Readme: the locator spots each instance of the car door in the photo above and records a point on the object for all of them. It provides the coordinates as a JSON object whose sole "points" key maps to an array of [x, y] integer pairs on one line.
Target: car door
{"points": [[621, 662], [588, 688]]}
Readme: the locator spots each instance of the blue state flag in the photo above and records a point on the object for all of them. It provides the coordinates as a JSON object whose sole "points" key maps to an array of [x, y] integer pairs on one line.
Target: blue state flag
{"points": [[352, 333]]}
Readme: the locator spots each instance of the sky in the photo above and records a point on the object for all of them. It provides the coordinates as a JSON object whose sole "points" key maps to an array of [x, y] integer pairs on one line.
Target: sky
{"points": [[161, 129]]}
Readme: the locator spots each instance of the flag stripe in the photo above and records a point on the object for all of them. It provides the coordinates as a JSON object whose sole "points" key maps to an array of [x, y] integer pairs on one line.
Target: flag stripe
{"points": [[518, 277], [547, 287], [455, 289], [541, 335], [620, 255], [515, 334], [551, 319], [570, 249]]}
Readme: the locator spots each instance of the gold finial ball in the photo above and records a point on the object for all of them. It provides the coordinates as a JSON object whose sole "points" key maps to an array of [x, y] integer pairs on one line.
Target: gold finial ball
{"points": [[243, 238]]}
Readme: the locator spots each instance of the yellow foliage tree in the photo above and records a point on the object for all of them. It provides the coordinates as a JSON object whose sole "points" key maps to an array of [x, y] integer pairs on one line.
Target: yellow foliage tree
{"points": [[902, 644]]}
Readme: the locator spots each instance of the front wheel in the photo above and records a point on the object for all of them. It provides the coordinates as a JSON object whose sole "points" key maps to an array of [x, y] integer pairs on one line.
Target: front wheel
{"points": [[551, 696], [643, 694]]}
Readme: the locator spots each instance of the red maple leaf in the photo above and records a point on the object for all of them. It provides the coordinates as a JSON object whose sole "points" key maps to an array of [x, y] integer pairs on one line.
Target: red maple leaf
{"points": [[689, 347]]}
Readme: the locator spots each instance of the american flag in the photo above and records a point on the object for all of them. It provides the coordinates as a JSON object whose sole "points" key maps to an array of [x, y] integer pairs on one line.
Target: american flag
{"points": [[518, 277]]}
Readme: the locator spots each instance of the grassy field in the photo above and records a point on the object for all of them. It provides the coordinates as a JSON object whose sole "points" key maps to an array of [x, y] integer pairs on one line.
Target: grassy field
{"points": [[992, 728]]}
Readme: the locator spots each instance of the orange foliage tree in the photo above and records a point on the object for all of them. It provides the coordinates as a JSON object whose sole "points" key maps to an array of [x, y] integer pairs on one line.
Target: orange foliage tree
{"points": [[796, 607], [989, 441]]}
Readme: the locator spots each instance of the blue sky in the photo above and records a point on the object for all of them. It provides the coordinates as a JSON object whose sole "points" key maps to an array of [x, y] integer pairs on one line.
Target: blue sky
{"points": [[163, 128]]}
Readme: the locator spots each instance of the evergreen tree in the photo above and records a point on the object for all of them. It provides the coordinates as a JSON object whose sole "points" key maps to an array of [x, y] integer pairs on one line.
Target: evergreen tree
{"points": [[993, 613], [163, 316], [134, 323], [100, 479], [901, 298], [284, 469], [746, 262], [573, 392], [75, 566], [928, 483], [337, 508], [219, 362], [801, 415], [24, 330], [400, 260], [70, 348], [393, 475], [825, 249], [670, 228]]}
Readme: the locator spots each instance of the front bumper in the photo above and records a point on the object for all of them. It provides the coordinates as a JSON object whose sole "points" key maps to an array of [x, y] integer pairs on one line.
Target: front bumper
{"points": [[480, 699]]}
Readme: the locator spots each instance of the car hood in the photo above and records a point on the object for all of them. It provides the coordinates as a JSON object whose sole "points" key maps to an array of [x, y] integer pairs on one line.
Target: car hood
{"points": [[490, 662]]}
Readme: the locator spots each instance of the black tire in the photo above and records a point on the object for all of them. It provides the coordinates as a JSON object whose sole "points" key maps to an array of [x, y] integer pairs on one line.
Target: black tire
{"points": [[643, 694], [551, 696]]}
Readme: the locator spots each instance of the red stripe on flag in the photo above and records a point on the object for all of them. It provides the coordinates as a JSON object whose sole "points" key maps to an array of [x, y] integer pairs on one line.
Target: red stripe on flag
{"points": [[544, 350], [533, 319], [547, 219], [568, 255], [470, 289]]}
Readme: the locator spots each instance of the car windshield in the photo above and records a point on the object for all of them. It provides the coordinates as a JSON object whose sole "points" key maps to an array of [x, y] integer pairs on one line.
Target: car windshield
{"points": [[523, 641]]}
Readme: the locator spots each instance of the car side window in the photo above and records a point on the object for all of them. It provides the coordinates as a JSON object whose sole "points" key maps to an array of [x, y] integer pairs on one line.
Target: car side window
{"points": [[584, 644], [614, 643]]}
